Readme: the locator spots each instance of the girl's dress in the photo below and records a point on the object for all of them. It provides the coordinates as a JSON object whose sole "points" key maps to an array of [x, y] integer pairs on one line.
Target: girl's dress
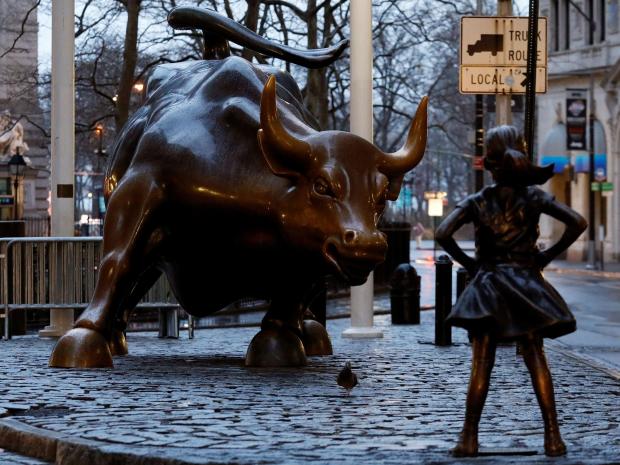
{"points": [[508, 296]]}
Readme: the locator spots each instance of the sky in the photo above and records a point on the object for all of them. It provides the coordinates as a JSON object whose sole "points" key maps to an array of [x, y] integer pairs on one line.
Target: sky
{"points": [[45, 31]]}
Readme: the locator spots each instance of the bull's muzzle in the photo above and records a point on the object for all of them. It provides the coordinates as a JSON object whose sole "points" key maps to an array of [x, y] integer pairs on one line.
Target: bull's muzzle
{"points": [[355, 254]]}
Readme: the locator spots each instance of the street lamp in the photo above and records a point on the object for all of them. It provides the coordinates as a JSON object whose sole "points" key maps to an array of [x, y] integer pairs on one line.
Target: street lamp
{"points": [[97, 179], [99, 133], [16, 168]]}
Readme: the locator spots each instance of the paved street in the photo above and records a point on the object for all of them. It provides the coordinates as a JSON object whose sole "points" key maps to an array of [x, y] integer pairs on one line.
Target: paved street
{"points": [[596, 304], [193, 401]]}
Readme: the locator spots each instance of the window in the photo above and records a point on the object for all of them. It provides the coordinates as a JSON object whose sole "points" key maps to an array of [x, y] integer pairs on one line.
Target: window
{"points": [[554, 39], [564, 25], [5, 186], [6, 204], [612, 16], [601, 24], [596, 11]]}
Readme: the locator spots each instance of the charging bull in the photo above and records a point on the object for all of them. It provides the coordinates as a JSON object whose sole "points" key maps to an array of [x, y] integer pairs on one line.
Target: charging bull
{"points": [[221, 182]]}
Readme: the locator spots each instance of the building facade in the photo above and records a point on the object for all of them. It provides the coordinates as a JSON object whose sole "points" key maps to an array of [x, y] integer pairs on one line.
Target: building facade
{"points": [[583, 58], [19, 101]]}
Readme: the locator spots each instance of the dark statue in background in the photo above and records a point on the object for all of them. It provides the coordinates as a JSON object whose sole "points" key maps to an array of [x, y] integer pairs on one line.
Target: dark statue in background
{"points": [[222, 181], [508, 299]]}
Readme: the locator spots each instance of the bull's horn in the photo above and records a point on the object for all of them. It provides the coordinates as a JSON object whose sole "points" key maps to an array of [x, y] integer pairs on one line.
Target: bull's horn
{"points": [[274, 138], [398, 163]]}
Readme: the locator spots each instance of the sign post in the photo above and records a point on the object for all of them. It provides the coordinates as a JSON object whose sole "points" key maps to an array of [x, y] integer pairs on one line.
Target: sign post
{"points": [[530, 83]]}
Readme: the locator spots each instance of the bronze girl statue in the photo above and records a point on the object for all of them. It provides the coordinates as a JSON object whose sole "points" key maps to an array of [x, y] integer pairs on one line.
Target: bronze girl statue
{"points": [[508, 298]]}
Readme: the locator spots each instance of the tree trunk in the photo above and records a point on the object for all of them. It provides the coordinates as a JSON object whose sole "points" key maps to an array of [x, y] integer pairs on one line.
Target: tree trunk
{"points": [[316, 98], [251, 22], [130, 57]]}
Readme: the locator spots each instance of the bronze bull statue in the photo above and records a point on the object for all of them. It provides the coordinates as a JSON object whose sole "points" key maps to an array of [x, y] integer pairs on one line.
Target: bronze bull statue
{"points": [[221, 182]]}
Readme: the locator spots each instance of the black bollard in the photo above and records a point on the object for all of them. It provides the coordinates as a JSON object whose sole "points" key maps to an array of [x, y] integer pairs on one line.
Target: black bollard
{"points": [[169, 323], [462, 280], [443, 300], [405, 295]]}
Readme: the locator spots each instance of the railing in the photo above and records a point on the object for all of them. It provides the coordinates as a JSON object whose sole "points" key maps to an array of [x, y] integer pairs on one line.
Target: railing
{"points": [[37, 226], [58, 272]]}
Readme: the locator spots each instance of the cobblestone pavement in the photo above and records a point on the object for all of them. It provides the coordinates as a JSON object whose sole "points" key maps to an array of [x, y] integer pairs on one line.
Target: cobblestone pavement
{"points": [[193, 401]]}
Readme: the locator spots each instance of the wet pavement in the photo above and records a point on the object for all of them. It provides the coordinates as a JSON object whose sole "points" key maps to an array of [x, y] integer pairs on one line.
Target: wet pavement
{"points": [[194, 401]]}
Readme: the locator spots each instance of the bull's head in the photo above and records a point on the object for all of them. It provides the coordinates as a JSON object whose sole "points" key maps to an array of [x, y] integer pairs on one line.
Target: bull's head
{"points": [[340, 183]]}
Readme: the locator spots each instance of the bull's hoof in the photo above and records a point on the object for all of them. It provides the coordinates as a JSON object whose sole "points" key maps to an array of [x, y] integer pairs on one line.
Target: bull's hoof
{"points": [[118, 343], [275, 348], [315, 338], [81, 348]]}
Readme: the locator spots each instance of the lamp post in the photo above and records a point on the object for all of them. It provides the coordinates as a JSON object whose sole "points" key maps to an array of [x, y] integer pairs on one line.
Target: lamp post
{"points": [[16, 168], [100, 152], [362, 297]]}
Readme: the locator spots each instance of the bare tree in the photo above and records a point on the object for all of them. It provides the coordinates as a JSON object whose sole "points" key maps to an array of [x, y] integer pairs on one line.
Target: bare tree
{"points": [[118, 42]]}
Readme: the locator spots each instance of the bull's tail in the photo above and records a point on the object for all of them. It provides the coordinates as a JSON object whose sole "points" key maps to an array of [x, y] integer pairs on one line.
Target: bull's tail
{"points": [[218, 30]]}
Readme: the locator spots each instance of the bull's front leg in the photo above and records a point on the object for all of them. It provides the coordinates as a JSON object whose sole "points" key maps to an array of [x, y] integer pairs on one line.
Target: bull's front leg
{"points": [[130, 240], [279, 342]]}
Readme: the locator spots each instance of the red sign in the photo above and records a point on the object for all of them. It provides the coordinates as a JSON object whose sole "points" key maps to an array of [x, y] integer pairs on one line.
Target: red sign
{"points": [[478, 163]]}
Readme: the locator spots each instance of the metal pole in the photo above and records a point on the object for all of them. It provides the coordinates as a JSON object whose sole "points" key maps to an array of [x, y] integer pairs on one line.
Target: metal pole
{"points": [[63, 141], [530, 86], [503, 109], [479, 153], [591, 204], [361, 124], [443, 300], [15, 199], [479, 172], [434, 238]]}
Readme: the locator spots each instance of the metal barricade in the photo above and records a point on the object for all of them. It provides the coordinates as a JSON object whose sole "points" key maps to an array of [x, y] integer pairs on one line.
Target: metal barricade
{"points": [[58, 272]]}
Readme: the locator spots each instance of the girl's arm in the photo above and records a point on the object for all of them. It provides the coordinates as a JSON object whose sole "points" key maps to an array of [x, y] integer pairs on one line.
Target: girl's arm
{"points": [[443, 235], [575, 225]]}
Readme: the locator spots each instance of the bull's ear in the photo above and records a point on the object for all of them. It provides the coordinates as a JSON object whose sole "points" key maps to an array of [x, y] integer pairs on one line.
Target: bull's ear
{"points": [[393, 191], [274, 164]]}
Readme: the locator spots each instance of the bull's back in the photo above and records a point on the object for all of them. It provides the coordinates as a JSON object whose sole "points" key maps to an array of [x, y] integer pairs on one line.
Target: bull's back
{"points": [[199, 121]]}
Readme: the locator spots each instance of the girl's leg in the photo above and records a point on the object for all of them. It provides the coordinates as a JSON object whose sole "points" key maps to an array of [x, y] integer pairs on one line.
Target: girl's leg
{"points": [[483, 359], [534, 357]]}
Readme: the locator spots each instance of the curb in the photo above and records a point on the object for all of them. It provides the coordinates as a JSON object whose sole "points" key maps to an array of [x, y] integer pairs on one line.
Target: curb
{"points": [[591, 362], [578, 272], [64, 450]]}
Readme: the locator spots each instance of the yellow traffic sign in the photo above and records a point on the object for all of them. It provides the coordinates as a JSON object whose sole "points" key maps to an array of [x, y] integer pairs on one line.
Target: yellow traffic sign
{"points": [[493, 54], [498, 80]]}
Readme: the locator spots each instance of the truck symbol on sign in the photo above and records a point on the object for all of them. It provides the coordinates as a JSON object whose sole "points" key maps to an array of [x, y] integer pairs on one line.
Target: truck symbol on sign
{"points": [[488, 43]]}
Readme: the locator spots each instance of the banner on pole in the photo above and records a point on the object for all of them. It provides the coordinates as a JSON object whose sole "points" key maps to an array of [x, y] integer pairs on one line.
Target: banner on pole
{"points": [[576, 118]]}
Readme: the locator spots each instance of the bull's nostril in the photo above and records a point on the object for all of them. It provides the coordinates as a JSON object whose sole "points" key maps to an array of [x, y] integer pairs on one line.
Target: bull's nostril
{"points": [[349, 236]]}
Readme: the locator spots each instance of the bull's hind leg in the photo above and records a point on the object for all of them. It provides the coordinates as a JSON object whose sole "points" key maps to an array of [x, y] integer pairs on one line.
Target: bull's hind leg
{"points": [[278, 343], [314, 335], [130, 241]]}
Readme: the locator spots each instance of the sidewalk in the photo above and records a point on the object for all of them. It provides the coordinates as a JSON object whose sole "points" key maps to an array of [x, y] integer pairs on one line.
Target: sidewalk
{"points": [[193, 401]]}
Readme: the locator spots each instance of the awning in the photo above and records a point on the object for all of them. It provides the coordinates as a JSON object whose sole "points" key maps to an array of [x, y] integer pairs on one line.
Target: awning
{"points": [[554, 148], [554, 151], [560, 162]]}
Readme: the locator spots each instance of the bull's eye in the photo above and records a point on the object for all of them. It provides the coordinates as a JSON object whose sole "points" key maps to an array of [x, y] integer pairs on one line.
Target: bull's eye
{"points": [[322, 187]]}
